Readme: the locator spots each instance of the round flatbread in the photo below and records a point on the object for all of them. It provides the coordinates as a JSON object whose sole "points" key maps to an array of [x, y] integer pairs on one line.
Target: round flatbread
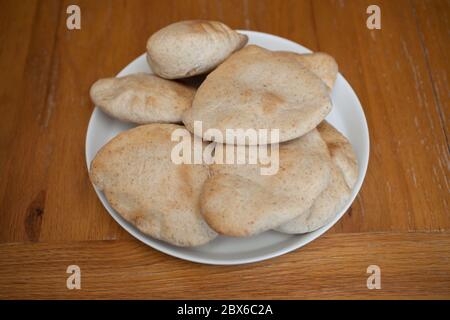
{"points": [[344, 172], [259, 89], [136, 173], [237, 200], [142, 98], [188, 48], [323, 65]]}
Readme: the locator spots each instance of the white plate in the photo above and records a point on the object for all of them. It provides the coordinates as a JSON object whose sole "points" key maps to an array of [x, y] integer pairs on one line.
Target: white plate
{"points": [[347, 116]]}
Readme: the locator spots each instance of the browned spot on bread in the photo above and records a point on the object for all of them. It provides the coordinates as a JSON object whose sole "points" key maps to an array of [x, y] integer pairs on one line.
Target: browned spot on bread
{"points": [[245, 96], [184, 91], [247, 93], [137, 219], [186, 180], [199, 26], [150, 100], [333, 147], [270, 102]]}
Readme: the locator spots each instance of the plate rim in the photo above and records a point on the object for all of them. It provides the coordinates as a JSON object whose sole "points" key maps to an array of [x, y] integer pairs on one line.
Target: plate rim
{"points": [[154, 243]]}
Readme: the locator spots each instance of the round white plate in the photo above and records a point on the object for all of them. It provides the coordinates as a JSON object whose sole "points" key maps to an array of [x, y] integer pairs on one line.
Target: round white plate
{"points": [[347, 116]]}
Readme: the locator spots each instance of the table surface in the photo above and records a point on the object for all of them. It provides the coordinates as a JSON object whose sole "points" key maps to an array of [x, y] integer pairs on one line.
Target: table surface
{"points": [[50, 216]]}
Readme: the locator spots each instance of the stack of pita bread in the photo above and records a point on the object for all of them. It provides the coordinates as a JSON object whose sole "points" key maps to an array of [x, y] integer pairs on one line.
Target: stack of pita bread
{"points": [[246, 87]]}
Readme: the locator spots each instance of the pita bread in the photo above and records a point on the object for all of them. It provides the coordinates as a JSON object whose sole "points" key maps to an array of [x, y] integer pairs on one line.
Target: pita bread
{"points": [[238, 201], [137, 176], [341, 152], [259, 89], [343, 178], [142, 98], [323, 65], [188, 48]]}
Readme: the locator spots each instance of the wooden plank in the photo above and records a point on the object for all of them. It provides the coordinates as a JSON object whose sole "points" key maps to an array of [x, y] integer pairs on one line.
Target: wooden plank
{"points": [[406, 186], [433, 22], [72, 209], [413, 265], [28, 40], [45, 193]]}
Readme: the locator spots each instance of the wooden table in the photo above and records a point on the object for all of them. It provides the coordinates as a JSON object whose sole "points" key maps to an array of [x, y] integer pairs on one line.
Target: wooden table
{"points": [[50, 216]]}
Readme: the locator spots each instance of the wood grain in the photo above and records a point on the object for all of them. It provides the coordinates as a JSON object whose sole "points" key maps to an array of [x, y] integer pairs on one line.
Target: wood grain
{"points": [[48, 208], [433, 25], [407, 182], [335, 266]]}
